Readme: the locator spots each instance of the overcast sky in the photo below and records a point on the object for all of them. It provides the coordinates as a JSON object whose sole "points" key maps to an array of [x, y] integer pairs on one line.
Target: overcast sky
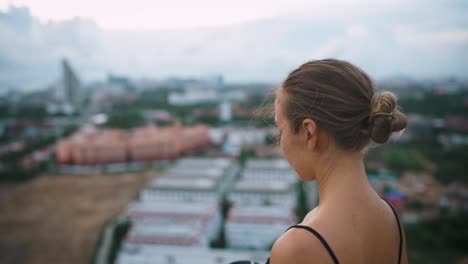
{"points": [[171, 14], [417, 38]]}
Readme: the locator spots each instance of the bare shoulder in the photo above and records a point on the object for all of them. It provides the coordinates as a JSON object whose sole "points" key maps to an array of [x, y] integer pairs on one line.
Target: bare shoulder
{"points": [[299, 246]]}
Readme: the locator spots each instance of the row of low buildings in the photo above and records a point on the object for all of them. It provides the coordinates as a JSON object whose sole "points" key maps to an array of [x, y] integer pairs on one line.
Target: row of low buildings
{"points": [[142, 254], [264, 202], [175, 223], [179, 210], [179, 214], [91, 146]]}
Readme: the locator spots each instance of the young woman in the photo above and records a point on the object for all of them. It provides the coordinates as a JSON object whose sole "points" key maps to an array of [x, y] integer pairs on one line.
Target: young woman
{"points": [[328, 112]]}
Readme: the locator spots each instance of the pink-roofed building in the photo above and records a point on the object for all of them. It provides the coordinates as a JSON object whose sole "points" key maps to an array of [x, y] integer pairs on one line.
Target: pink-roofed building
{"points": [[194, 138], [90, 146], [63, 151], [111, 147], [152, 143], [82, 147]]}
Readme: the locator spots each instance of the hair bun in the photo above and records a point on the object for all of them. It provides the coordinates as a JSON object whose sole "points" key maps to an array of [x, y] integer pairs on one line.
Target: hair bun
{"points": [[384, 118]]}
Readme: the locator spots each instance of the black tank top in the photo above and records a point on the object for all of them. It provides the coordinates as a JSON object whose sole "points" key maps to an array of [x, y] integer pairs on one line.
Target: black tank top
{"points": [[330, 251]]}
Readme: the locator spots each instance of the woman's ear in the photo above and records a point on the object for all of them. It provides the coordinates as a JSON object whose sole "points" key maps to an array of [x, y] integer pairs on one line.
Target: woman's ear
{"points": [[309, 128]]}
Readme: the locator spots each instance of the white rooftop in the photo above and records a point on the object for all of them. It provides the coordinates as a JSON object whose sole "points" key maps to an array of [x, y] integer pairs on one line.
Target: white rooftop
{"points": [[155, 254], [162, 208], [213, 172], [270, 211], [262, 186], [166, 231], [164, 227], [196, 184], [264, 174], [267, 164], [203, 162]]}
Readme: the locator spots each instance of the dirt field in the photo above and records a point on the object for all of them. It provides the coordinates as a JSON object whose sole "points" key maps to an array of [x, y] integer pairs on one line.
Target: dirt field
{"points": [[57, 219]]}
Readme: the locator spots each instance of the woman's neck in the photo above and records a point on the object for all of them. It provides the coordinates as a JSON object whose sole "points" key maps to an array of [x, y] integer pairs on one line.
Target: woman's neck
{"points": [[343, 180]]}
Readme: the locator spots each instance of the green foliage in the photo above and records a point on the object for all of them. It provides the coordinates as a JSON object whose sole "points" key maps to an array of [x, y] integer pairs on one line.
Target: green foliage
{"points": [[437, 105], [120, 228], [32, 145], [33, 112], [209, 120], [13, 172], [451, 163], [434, 257], [445, 233], [271, 140], [17, 174], [245, 155], [150, 99], [220, 242], [302, 205], [125, 119], [401, 159]]}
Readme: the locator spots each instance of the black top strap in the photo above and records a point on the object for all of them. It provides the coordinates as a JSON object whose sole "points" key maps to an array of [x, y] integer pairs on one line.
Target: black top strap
{"points": [[399, 230], [310, 229], [330, 251]]}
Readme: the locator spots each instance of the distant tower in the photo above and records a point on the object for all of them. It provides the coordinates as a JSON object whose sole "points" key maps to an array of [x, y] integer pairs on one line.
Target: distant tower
{"points": [[225, 110], [71, 86]]}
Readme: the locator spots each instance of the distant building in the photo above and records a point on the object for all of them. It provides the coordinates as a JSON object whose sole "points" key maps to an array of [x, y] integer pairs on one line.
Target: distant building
{"points": [[181, 207], [269, 192], [175, 223], [102, 96], [194, 94], [170, 231], [65, 95], [152, 143], [156, 254], [265, 170], [237, 138], [194, 138], [193, 179], [456, 123], [90, 146], [266, 181], [419, 128], [71, 85], [144, 209], [224, 174], [257, 227], [225, 111], [200, 189]]}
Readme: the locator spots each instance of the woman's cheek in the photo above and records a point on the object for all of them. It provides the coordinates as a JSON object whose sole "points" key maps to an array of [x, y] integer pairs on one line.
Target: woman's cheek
{"points": [[284, 145]]}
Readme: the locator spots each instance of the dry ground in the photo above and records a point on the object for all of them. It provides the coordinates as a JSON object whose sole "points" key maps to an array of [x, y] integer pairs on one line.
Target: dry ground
{"points": [[57, 219]]}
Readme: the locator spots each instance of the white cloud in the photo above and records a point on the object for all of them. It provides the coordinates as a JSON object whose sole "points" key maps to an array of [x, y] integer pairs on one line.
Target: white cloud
{"points": [[357, 31]]}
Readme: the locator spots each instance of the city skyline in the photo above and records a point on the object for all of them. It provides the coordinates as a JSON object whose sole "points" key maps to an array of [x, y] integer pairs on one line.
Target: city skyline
{"points": [[418, 40]]}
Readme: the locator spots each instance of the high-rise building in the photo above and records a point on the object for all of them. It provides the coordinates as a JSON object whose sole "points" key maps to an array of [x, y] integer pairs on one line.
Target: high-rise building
{"points": [[71, 86]]}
